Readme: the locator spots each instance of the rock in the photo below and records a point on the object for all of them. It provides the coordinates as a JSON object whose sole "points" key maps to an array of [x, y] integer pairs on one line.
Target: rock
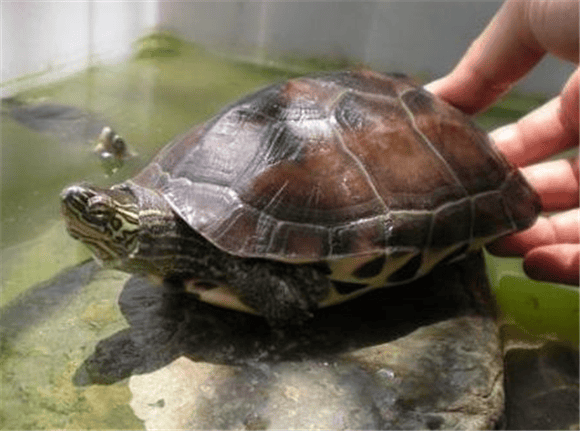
{"points": [[70, 123], [423, 356], [408, 384], [542, 387]]}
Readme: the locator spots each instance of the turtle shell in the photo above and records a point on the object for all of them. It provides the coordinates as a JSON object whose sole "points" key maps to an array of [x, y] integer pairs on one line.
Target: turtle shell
{"points": [[343, 165]]}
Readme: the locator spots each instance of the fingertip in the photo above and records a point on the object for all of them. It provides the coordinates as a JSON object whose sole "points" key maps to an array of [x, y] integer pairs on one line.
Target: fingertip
{"points": [[436, 86], [508, 141], [447, 89], [520, 243], [558, 263]]}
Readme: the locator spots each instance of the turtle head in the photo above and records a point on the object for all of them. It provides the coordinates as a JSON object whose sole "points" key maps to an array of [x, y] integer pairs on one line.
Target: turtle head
{"points": [[106, 220]]}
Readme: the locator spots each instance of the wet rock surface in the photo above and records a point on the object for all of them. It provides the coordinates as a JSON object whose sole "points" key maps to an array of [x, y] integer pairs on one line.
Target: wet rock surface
{"points": [[423, 356], [382, 387], [71, 124], [542, 387]]}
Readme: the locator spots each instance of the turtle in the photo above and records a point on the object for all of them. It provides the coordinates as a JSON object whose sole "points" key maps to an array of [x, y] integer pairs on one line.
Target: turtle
{"points": [[112, 150], [307, 193]]}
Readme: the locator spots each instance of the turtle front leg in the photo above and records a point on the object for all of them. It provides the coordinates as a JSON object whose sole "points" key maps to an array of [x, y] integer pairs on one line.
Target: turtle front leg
{"points": [[285, 294]]}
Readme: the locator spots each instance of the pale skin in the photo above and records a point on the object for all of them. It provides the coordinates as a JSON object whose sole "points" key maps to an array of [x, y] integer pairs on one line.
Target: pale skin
{"points": [[516, 39]]}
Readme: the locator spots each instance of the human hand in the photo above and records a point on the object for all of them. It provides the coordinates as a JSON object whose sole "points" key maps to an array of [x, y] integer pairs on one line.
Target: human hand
{"points": [[517, 38]]}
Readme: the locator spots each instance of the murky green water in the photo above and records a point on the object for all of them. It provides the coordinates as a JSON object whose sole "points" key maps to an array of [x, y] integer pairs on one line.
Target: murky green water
{"points": [[53, 315]]}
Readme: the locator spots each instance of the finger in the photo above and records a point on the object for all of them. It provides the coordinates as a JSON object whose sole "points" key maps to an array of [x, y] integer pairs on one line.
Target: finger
{"points": [[561, 228], [555, 263], [569, 107], [515, 40], [554, 25], [557, 183], [548, 130]]}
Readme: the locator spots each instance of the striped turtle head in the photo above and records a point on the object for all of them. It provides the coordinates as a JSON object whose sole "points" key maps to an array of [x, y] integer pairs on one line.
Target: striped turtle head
{"points": [[106, 220]]}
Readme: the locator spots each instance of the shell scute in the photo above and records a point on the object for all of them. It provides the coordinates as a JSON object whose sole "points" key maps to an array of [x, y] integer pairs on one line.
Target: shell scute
{"points": [[477, 166], [490, 215], [361, 237], [405, 173], [299, 190], [306, 242], [520, 200], [452, 223], [410, 229], [369, 82]]}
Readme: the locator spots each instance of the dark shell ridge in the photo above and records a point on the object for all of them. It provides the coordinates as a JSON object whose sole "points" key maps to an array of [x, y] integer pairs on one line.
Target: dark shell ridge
{"points": [[338, 165]]}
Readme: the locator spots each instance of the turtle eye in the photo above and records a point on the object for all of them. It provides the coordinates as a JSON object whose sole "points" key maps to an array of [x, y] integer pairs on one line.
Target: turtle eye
{"points": [[99, 208]]}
